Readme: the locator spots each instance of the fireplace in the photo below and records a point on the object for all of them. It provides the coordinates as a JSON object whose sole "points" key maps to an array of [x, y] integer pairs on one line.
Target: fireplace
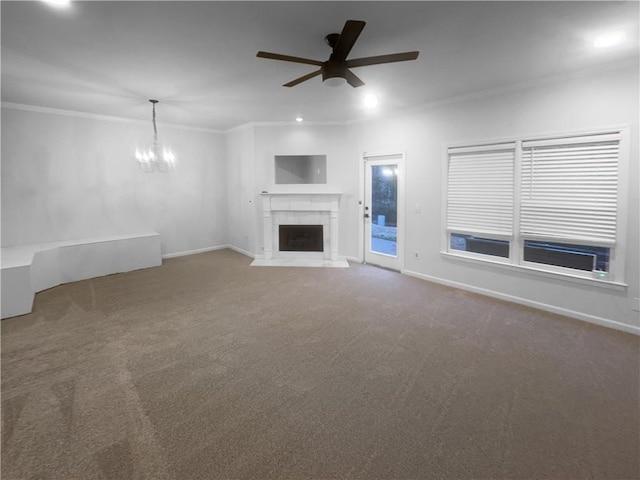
{"points": [[300, 230], [301, 238]]}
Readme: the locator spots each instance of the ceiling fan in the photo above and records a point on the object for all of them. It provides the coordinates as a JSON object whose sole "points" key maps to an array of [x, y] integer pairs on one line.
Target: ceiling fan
{"points": [[337, 67]]}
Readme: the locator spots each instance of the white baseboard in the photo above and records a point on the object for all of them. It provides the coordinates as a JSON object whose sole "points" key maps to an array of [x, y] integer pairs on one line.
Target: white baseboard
{"points": [[604, 322], [194, 252], [241, 250]]}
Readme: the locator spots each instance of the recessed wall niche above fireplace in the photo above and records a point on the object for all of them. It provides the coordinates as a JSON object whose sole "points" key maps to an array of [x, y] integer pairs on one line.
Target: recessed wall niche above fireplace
{"points": [[300, 229], [300, 169]]}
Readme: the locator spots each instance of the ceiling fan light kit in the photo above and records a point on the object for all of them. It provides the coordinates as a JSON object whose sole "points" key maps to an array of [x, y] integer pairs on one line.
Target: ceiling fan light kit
{"points": [[336, 70]]}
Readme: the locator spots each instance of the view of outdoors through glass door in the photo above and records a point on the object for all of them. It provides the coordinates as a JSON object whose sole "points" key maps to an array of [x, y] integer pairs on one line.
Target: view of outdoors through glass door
{"points": [[384, 209]]}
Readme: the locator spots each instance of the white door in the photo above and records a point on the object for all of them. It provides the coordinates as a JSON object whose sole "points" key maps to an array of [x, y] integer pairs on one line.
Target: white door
{"points": [[383, 212]]}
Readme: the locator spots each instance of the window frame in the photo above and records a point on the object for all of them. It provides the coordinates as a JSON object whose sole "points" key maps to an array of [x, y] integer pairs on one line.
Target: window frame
{"points": [[617, 251], [464, 253], [480, 148]]}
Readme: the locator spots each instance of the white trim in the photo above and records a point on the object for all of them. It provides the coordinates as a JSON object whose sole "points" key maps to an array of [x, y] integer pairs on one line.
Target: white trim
{"points": [[401, 158], [480, 256], [243, 126], [618, 259], [604, 322], [96, 116], [490, 147], [576, 278], [445, 237], [521, 138], [194, 252], [291, 123], [376, 155], [571, 140], [362, 164], [242, 251], [516, 246], [319, 194]]}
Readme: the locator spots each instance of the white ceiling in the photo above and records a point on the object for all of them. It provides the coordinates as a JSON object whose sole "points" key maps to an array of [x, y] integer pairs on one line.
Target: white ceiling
{"points": [[199, 58]]}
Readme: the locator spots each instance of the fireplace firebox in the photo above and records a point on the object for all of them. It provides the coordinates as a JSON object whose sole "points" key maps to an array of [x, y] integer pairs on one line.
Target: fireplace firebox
{"points": [[301, 238]]}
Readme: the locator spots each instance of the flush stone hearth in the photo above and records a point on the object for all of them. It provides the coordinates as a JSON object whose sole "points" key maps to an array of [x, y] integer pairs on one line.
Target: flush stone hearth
{"points": [[319, 209]]}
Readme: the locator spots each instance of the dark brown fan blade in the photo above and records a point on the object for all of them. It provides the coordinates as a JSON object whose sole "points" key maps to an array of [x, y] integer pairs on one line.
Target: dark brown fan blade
{"points": [[295, 82], [348, 37], [288, 58], [353, 80], [394, 57]]}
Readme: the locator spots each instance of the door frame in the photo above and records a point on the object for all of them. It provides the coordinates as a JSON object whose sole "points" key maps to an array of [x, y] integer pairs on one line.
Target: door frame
{"points": [[401, 202]]}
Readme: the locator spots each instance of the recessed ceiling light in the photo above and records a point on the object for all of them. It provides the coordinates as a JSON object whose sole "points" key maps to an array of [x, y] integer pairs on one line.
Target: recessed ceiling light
{"points": [[58, 3], [608, 39], [299, 119], [370, 101]]}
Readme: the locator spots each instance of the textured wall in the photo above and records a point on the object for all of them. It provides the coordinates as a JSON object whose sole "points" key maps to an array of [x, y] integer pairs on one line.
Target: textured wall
{"points": [[66, 177]]}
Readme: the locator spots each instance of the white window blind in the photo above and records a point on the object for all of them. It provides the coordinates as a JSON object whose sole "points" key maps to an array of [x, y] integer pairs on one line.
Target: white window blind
{"points": [[570, 189], [480, 189]]}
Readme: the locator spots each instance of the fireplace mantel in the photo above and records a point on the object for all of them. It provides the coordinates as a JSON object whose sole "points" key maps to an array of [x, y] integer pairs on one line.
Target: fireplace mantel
{"points": [[301, 202], [300, 208]]}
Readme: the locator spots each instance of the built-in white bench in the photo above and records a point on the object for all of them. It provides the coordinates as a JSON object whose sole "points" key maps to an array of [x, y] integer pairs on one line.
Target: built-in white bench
{"points": [[28, 269]]}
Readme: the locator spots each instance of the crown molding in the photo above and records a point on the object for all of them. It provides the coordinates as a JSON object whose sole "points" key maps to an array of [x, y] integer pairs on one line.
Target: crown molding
{"points": [[631, 62], [303, 124], [627, 63], [95, 116]]}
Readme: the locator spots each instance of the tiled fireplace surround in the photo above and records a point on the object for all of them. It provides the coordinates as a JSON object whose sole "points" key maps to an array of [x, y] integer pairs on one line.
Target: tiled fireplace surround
{"points": [[300, 209]]}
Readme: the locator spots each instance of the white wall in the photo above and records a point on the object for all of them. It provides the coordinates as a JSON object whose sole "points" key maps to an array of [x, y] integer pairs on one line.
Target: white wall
{"points": [[574, 104], [241, 189], [68, 177], [251, 151]]}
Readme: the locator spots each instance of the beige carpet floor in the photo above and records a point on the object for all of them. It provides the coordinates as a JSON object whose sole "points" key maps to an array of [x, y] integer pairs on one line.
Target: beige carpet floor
{"points": [[207, 368]]}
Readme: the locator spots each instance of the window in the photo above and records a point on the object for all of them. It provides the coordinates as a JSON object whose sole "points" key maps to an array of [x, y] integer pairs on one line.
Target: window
{"points": [[486, 246], [480, 199], [549, 204], [580, 257]]}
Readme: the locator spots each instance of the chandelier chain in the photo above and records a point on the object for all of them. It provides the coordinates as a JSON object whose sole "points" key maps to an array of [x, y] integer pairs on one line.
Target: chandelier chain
{"points": [[155, 128], [158, 157]]}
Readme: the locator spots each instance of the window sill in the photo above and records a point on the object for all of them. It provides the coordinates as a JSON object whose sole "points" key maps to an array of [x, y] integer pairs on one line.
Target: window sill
{"points": [[612, 285]]}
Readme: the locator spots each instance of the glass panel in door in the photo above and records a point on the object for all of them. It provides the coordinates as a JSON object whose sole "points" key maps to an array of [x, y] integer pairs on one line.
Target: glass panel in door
{"points": [[384, 209]]}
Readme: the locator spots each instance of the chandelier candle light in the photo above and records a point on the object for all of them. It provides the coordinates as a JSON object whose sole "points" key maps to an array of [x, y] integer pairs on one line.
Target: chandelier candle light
{"points": [[157, 157]]}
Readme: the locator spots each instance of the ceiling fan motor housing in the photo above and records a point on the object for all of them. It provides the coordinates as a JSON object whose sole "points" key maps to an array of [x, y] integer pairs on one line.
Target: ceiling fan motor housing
{"points": [[333, 69], [332, 39]]}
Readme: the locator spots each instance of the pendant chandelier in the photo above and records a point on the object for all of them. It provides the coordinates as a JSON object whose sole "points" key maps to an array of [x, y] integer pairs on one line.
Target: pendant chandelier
{"points": [[157, 157]]}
